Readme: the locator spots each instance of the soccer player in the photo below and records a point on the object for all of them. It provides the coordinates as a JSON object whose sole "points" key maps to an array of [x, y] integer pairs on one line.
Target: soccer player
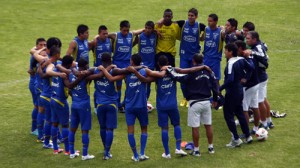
{"points": [[168, 33], [106, 99], [234, 73], [135, 105], [40, 43], [79, 47], [199, 86], [231, 32], [213, 45], [81, 108], [44, 101], [259, 53], [123, 44], [147, 47], [101, 44]]}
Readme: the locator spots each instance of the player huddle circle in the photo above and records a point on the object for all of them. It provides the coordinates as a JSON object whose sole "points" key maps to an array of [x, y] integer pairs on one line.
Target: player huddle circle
{"points": [[245, 82]]}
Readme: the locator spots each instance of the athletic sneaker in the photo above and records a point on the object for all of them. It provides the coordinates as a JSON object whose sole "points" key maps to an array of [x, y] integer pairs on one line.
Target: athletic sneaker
{"points": [[40, 140], [234, 143], [271, 125], [49, 146], [143, 157], [135, 159], [55, 152], [211, 150], [180, 152], [183, 102], [168, 156], [195, 153], [108, 156], [72, 156], [248, 140], [35, 132], [265, 127], [87, 157], [253, 132], [68, 153]]}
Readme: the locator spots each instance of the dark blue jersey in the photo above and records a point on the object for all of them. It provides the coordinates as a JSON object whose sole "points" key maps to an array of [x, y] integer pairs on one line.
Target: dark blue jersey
{"points": [[80, 93], [122, 49], [189, 44], [135, 94], [259, 53], [147, 46], [81, 50], [100, 48], [105, 91], [166, 93], [213, 44]]}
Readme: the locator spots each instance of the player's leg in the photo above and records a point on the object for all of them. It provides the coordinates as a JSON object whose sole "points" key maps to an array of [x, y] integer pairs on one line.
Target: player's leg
{"points": [[47, 128], [111, 124], [142, 116], [262, 108], [130, 121], [34, 110], [86, 125], [101, 115], [206, 119], [184, 63], [175, 121], [163, 124], [54, 127], [193, 121], [73, 128]]}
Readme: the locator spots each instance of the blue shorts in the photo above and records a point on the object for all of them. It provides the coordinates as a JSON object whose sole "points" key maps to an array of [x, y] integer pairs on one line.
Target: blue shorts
{"points": [[45, 102], [164, 115], [59, 111], [185, 63], [83, 116], [140, 113], [107, 116], [215, 66]]}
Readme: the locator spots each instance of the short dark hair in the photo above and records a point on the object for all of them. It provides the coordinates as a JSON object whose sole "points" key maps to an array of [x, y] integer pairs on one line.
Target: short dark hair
{"points": [[231, 47], [54, 50], [254, 35], [136, 59], [82, 62], [106, 57], [168, 10], [233, 22], [102, 27], [53, 41], [150, 24], [124, 23], [214, 17], [67, 60], [194, 11], [240, 43], [39, 40], [81, 29], [249, 25], [198, 58], [163, 60]]}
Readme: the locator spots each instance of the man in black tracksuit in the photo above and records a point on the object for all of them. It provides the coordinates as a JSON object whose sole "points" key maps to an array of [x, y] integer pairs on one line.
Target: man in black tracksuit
{"points": [[199, 86]]}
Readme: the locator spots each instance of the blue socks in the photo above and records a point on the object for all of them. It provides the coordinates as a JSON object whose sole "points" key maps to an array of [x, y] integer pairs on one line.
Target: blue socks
{"points": [[103, 136], [47, 132], [85, 144], [71, 142], [34, 119], [177, 134], [143, 142], [65, 134], [40, 124], [165, 141], [108, 141], [54, 137], [132, 144]]}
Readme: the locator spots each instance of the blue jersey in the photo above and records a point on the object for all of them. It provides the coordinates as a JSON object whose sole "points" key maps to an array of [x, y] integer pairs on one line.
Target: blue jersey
{"points": [[59, 91], [38, 84], [122, 49], [260, 57], [147, 46], [166, 93], [135, 94], [100, 48], [80, 93], [46, 83], [189, 44], [81, 50], [32, 66], [105, 91], [213, 44]]}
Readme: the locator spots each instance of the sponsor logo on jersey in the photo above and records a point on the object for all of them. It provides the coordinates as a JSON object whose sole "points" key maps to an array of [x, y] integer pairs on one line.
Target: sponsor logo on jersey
{"points": [[189, 39], [124, 49], [147, 50]]}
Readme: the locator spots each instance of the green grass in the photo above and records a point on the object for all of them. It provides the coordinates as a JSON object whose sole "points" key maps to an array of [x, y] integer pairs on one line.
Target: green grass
{"points": [[24, 21]]}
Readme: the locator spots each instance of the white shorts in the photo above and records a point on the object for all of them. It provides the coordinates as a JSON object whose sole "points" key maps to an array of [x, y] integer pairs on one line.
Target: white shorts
{"points": [[199, 113], [250, 98], [262, 91]]}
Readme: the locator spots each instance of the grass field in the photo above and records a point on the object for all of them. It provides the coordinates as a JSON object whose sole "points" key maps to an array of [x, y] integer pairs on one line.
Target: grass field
{"points": [[21, 22]]}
